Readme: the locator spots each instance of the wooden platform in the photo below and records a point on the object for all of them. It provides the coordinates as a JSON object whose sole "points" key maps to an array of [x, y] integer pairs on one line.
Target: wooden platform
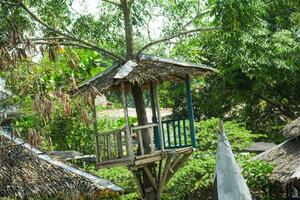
{"points": [[143, 160]]}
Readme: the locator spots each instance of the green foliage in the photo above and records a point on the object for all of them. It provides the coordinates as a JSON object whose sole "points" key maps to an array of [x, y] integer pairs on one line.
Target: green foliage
{"points": [[121, 177], [207, 135], [69, 133], [256, 53], [194, 179]]}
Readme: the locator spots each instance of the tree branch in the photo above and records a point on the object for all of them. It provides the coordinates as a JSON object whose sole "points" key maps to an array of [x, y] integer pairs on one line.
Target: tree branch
{"points": [[112, 2], [196, 17], [71, 37], [9, 3], [174, 36], [64, 43]]}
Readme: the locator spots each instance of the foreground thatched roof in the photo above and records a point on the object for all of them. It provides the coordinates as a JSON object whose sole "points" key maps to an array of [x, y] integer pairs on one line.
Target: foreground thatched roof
{"points": [[259, 147], [143, 71], [27, 172], [286, 158], [292, 129]]}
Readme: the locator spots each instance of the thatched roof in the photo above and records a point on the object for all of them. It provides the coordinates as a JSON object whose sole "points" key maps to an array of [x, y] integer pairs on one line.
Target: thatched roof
{"points": [[259, 147], [143, 71], [286, 159], [292, 129], [27, 172]]}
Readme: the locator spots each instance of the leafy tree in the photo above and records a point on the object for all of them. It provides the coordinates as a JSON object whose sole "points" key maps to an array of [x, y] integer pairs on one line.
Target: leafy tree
{"points": [[116, 33], [256, 54]]}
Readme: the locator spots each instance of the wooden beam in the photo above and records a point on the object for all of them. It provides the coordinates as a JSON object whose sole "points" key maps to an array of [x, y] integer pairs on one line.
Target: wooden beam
{"points": [[151, 177], [95, 129], [127, 130], [177, 166], [138, 181], [141, 142], [119, 144], [163, 177], [148, 160], [160, 126], [114, 163]]}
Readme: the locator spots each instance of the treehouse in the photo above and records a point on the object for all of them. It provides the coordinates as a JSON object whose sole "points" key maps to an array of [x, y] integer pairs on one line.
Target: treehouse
{"points": [[154, 150]]}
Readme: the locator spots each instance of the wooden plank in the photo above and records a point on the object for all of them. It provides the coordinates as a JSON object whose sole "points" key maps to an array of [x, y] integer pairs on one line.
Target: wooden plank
{"points": [[108, 147], [142, 151], [155, 153], [148, 160], [160, 127], [184, 150], [116, 162], [104, 148], [119, 144], [151, 132], [144, 126], [127, 130], [151, 178], [115, 146]]}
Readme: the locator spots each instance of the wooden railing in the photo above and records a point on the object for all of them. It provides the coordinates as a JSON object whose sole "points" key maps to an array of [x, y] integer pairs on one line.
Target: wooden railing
{"points": [[114, 145], [176, 133], [140, 133], [119, 146]]}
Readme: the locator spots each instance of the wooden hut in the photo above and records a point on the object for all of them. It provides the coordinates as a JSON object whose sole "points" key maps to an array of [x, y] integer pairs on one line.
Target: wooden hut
{"points": [[26, 172], [163, 146], [286, 158]]}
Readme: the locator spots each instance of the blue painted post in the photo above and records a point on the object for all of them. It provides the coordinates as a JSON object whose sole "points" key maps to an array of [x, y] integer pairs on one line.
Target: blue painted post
{"points": [[190, 109]]}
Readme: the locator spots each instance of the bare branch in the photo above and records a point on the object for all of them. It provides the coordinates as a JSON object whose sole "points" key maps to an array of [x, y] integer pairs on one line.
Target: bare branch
{"points": [[112, 2], [174, 36], [72, 37]]}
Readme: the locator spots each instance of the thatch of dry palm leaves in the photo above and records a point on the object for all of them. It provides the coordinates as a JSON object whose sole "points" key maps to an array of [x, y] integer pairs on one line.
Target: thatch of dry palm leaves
{"points": [[292, 129], [26, 172], [143, 71], [285, 156]]}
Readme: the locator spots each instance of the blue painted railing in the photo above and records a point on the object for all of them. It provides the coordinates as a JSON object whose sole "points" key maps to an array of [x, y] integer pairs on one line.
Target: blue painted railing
{"points": [[176, 133]]}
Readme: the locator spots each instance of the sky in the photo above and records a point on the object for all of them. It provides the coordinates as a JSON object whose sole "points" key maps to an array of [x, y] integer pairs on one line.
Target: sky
{"points": [[86, 6]]}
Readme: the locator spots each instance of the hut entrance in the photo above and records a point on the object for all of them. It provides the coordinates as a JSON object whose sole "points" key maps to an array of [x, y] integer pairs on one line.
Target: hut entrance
{"points": [[152, 151]]}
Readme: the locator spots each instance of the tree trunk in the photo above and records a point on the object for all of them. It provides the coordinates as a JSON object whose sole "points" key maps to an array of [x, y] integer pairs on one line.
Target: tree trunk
{"points": [[137, 93]]}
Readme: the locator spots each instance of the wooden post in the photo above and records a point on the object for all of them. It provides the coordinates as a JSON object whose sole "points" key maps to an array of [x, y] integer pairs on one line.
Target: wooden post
{"points": [[95, 128], [154, 117], [127, 130], [190, 109], [160, 127]]}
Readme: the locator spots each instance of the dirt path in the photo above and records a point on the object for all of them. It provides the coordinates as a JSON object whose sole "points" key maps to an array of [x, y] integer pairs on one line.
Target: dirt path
{"points": [[117, 113]]}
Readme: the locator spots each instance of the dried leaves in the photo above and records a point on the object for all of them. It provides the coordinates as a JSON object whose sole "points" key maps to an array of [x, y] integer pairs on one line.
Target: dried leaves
{"points": [[34, 137]]}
